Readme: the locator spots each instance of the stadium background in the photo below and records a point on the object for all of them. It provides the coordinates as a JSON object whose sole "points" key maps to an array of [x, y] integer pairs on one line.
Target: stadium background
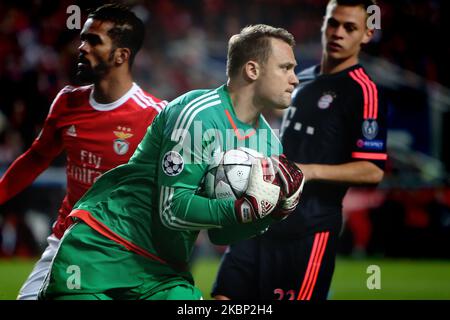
{"points": [[403, 226]]}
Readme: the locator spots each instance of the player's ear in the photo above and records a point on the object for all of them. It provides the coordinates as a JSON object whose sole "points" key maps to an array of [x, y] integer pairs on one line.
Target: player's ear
{"points": [[252, 70], [368, 34], [122, 55]]}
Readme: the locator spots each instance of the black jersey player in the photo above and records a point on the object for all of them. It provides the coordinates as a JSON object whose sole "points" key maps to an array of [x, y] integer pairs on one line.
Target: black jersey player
{"points": [[335, 131]]}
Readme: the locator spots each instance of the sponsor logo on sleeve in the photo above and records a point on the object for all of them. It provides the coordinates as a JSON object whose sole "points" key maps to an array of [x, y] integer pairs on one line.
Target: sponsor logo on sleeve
{"points": [[370, 144]]}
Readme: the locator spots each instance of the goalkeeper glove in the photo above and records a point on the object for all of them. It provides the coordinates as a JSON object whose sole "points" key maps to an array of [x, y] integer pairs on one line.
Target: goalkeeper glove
{"points": [[292, 185], [261, 196]]}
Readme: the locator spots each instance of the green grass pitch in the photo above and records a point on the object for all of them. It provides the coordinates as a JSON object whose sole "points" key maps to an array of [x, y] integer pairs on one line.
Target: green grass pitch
{"points": [[399, 279]]}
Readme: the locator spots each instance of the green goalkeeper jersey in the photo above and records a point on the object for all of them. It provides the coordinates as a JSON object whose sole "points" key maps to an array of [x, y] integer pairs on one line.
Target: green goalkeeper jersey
{"points": [[153, 204]]}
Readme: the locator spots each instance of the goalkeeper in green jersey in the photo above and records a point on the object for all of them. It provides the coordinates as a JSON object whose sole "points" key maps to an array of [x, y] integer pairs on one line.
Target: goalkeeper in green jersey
{"points": [[136, 227]]}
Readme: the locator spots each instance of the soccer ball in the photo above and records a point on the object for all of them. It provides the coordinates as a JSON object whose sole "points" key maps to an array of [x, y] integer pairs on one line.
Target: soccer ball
{"points": [[228, 174]]}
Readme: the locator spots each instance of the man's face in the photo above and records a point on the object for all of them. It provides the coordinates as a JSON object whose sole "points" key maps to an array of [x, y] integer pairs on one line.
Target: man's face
{"points": [[96, 50], [343, 31], [278, 79]]}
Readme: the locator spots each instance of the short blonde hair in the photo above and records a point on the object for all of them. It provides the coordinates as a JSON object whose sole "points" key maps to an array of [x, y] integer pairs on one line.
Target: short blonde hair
{"points": [[253, 43]]}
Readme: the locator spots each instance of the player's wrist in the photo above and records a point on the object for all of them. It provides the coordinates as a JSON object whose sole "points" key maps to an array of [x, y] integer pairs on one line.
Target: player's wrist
{"points": [[257, 204], [310, 171], [292, 178], [291, 202], [244, 211]]}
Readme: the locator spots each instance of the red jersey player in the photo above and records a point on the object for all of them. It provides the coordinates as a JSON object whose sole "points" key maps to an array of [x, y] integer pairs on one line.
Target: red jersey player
{"points": [[99, 126]]}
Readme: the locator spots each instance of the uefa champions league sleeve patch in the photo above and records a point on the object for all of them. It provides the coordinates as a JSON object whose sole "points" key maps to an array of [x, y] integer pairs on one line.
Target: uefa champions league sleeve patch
{"points": [[172, 163], [370, 129]]}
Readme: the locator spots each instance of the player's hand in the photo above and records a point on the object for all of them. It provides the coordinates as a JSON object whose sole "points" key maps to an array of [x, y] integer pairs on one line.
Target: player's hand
{"points": [[292, 179], [261, 196]]}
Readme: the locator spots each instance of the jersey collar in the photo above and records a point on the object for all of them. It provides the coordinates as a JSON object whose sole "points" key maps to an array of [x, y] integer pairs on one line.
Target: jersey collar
{"points": [[225, 96], [337, 74], [237, 125], [113, 105]]}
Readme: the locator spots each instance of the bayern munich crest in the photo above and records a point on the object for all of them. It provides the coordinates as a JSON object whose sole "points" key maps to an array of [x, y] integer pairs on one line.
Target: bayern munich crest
{"points": [[325, 100], [172, 163]]}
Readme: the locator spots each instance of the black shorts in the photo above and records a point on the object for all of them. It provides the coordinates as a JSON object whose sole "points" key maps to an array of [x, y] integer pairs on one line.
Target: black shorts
{"points": [[278, 269]]}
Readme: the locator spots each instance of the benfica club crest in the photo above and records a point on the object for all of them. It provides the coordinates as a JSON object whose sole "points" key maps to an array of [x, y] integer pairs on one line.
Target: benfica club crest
{"points": [[121, 145]]}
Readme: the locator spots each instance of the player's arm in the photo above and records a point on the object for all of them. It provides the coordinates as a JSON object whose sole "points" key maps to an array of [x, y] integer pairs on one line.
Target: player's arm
{"points": [[366, 122], [180, 166], [22, 172], [232, 234], [358, 172], [180, 206], [25, 169]]}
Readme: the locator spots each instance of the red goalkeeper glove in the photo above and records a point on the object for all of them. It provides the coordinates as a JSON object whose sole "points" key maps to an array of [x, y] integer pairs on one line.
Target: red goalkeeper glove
{"points": [[292, 185], [261, 196]]}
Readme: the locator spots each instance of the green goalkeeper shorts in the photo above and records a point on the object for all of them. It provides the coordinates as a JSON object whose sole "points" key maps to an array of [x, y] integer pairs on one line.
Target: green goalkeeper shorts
{"points": [[90, 266]]}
